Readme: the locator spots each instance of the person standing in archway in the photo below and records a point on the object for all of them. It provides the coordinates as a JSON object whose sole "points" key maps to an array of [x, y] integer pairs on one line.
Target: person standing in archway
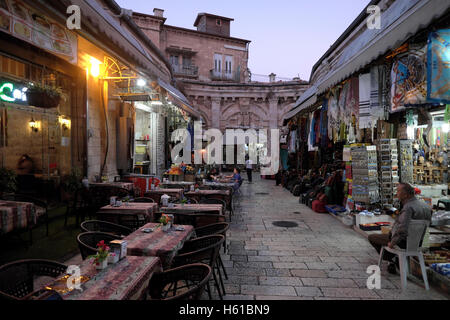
{"points": [[249, 167]]}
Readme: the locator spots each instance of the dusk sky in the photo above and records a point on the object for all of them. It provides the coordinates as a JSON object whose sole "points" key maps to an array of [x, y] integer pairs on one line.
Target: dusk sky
{"points": [[287, 36]]}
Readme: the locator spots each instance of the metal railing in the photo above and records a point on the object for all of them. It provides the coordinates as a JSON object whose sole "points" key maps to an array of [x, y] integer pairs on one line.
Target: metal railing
{"points": [[223, 75], [189, 70]]}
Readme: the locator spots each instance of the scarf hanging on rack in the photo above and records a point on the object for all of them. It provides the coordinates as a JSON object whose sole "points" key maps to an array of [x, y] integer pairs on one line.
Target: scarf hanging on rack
{"points": [[365, 118]]}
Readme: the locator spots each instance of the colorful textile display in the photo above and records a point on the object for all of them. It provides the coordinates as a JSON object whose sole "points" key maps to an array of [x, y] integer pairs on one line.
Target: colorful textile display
{"points": [[324, 124], [333, 114], [378, 93], [365, 118], [438, 66], [344, 112], [408, 79], [352, 101]]}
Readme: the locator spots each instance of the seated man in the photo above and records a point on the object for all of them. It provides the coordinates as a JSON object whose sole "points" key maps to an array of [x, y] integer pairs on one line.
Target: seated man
{"points": [[212, 174], [236, 178], [412, 209]]}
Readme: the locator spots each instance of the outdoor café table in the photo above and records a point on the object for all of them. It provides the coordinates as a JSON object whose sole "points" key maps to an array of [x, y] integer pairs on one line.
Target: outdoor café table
{"points": [[185, 184], [146, 210], [218, 184], [173, 193], [158, 243], [127, 279], [197, 208], [124, 185], [16, 215]]}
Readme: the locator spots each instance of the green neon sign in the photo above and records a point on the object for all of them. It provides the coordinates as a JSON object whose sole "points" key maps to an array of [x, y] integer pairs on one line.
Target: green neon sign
{"points": [[13, 93], [3, 96]]}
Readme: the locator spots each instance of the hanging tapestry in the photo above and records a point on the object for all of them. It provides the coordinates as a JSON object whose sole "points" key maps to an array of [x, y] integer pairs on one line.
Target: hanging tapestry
{"points": [[408, 79], [383, 87], [324, 124], [438, 66], [344, 113], [333, 113], [352, 101], [365, 119]]}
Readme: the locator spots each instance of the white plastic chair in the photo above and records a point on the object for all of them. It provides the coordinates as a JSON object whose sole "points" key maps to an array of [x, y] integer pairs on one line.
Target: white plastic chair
{"points": [[416, 232]]}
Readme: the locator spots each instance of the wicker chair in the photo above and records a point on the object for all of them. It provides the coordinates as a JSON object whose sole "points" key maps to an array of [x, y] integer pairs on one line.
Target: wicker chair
{"points": [[144, 199], [183, 283], [17, 278], [212, 200], [197, 219], [87, 242], [105, 226], [203, 250], [216, 228]]}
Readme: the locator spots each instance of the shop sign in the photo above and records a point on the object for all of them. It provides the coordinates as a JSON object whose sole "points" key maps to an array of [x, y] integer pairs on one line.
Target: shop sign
{"points": [[13, 92], [23, 22]]}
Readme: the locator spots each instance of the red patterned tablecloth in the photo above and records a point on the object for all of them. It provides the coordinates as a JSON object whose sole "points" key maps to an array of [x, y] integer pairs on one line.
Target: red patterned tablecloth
{"points": [[125, 185], [146, 209], [16, 215], [173, 193], [126, 280], [164, 245], [193, 207]]}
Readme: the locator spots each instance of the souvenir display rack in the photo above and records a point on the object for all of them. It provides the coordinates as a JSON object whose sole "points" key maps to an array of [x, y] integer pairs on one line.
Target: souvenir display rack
{"points": [[365, 186], [406, 161], [389, 179]]}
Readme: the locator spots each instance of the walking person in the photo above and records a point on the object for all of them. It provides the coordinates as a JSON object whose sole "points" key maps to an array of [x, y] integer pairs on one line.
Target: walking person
{"points": [[249, 167]]}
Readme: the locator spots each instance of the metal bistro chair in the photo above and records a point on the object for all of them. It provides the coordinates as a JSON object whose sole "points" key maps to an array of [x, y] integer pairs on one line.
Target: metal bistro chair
{"points": [[17, 278], [215, 228], [144, 199], [183, 283], [203, 250], [105, 226], [197, 219], [87, 242], [212, 200], [416, 232]]}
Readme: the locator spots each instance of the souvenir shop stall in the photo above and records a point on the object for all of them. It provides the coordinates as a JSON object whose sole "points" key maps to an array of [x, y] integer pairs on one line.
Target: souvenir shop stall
{"points": [[392, 117]]}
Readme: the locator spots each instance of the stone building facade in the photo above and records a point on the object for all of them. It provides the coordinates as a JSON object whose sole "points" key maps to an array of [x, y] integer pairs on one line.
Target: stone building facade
{"points": [[212, 71]]}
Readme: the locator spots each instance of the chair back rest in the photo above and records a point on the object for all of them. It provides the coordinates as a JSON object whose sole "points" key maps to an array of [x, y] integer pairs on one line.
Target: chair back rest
{"points": [[144, 199], [416, 232], [200, 250], [105, 226], [87, 242]]}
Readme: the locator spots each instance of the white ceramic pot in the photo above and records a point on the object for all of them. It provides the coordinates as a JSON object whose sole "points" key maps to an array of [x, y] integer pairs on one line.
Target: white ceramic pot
{"points": [[102, 265]]}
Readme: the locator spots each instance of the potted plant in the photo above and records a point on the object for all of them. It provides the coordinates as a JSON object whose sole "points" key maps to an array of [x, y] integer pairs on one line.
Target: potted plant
{"points": [[184, 201], [101, 257], [8, 182], [165, 222], [44, 96], [70, 183]]}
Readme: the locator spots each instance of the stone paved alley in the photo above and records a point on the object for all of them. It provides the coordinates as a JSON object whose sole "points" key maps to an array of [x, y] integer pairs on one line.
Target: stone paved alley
{"points": [[319, 259]]}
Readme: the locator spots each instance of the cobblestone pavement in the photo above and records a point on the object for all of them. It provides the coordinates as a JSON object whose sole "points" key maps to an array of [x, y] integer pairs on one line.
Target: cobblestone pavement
{"points": [[319, 259]]}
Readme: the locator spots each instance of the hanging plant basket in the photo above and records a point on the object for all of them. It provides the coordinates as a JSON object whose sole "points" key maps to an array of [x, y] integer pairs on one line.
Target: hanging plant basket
{"points": [[43, 99]]}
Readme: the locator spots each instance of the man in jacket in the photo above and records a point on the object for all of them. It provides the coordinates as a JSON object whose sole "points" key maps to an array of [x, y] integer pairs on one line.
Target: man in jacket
{"points": [[412, 208]]}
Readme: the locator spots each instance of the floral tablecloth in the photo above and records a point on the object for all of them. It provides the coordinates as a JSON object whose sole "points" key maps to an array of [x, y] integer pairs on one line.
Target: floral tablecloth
{"points": [[193, 207], [158, 243], [125, 185], [173, 193], [16, 215], [126, 280], [146, 209]]}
